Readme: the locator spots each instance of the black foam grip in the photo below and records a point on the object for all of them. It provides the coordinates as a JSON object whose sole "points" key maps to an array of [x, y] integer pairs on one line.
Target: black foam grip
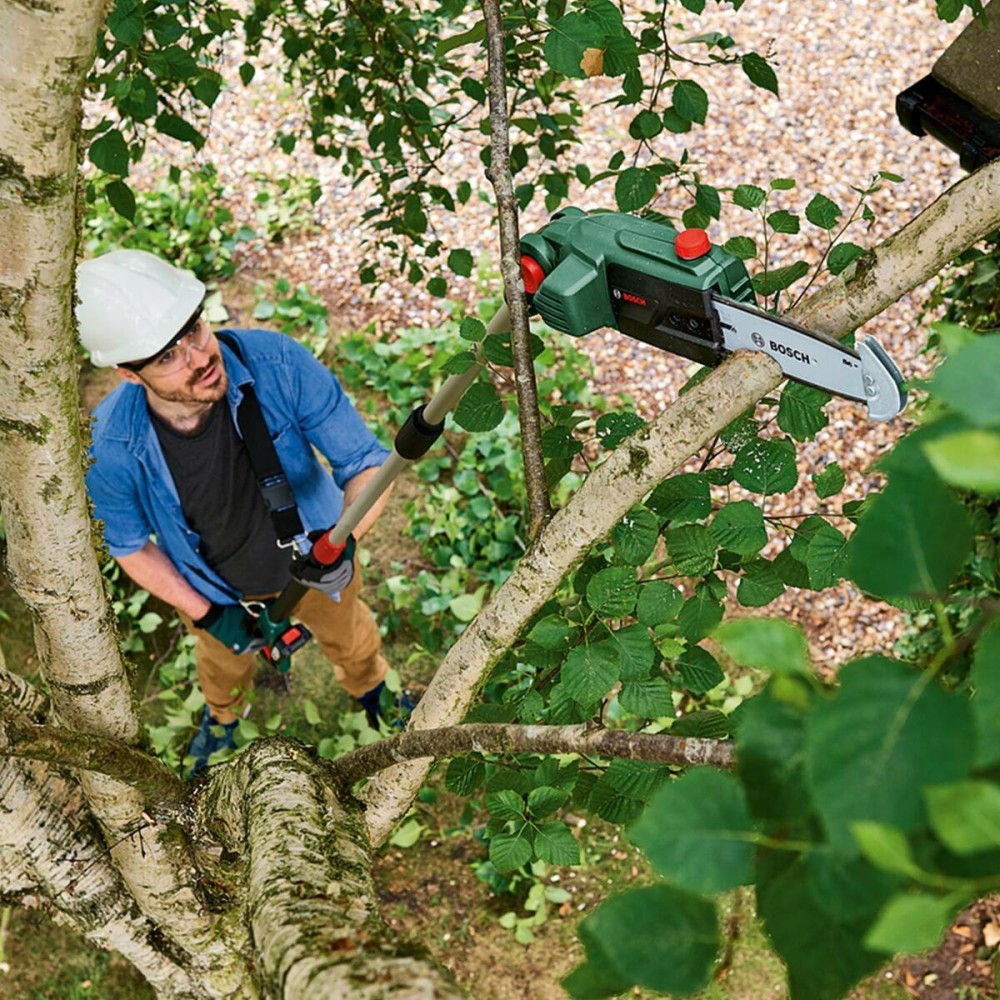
{"points": [[416, 435]]}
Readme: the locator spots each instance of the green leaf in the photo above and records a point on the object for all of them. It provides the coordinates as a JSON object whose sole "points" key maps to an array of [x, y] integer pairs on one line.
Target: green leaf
{"points": [[460, 261], [510, 850], [741, 246], [472, 329], [779, 278], [613, 428], [691, 101], [985, 678], [612, 592], [822, 212], [635, 188], [968, 459], [674, 122], [739, 527], [894, 733], [457, 363], [506, 805], [800, 412], [699, 615], [766, 466], [659, 602], [909, 923], [180, 129], [437, 286], [698, 670], [465, 607], [545, 799], [126, 23], [556, 845], [765, 643], [473, 36], [829, 482], [480, 408], [970, 381], [965, 816], [682, 498], [707, 724], [567, 41], [886, 847], [312, 713], [657, 937], [842, 256], [749, 196], [649, 698], [692, 549], [759, 72], [121, 199], [110, 153], [826, 557], [760, 584], [553, 632], [697, 832], [783, 221], [911, 540], [635, 650], [707, 199], [590, 672], [949, 10], [635, 536], [464, 776], [645, 125]]}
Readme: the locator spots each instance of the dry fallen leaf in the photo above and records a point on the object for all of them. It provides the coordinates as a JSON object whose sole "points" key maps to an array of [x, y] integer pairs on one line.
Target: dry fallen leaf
{"points": [[991, 935], [592, 62]]}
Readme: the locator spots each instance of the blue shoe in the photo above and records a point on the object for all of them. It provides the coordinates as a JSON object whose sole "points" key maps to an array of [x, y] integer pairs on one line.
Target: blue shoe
{"points": [[211, 737], [394, 710]]}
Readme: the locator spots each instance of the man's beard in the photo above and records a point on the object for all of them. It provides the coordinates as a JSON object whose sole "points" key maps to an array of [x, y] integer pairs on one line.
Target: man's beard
{"points": [[191, 392]]}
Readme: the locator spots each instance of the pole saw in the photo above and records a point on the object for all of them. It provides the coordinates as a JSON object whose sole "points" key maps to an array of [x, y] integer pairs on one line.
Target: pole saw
{"points": [[673, 290]]}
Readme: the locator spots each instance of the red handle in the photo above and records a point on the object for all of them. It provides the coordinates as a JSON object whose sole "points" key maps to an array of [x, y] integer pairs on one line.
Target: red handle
{"points": [[325, 552]]}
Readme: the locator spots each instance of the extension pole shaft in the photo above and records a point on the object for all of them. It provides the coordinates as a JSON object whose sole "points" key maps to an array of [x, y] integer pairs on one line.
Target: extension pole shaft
{"points": [[432, 417]]}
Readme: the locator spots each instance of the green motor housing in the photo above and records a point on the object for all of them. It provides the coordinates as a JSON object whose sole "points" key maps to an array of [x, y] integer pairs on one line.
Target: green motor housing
{"points": [[583, 272]]}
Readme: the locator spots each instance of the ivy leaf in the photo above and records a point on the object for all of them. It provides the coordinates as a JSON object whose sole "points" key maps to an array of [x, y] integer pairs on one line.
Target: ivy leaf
{"points": [[657, 937], [696, 832], [635, 536], [612, 592], [659, 602], [635, 188], [682, 498], [692, 549], [765, 643], [480, 409], [926, 744], [691, 101], [822, 212], [913, 538], [829, 482], [759, 72], [766, 466], [800, 412], [699, 671], [739, 527]]}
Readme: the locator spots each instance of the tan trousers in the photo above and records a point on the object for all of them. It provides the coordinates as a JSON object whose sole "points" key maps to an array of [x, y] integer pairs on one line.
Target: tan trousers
{"points": [[345, 630]]}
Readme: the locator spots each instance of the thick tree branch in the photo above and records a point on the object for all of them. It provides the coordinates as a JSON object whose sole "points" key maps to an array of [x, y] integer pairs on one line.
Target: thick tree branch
{"points": [[164, 792], [964, 214], [310, 901], [510, 267], [506, 739]]}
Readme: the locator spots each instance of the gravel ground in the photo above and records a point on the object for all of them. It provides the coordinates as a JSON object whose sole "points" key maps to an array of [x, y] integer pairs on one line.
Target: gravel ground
{"points": [[840, 66]]}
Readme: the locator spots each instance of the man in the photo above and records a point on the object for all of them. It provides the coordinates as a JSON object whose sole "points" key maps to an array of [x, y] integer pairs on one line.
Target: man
{"points": [[180, 492]]}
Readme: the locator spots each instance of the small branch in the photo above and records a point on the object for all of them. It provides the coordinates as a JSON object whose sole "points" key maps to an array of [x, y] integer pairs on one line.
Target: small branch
{"points": [[504, 739], [510, 267], [21, 696], [161, 788]]}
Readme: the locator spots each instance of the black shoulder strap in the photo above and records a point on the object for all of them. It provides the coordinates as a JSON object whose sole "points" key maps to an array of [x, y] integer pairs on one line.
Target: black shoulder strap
{"points": [[275, 490]]}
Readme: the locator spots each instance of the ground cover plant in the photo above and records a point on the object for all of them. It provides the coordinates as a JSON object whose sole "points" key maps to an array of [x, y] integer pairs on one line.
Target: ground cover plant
{"points": [[865, 813]]}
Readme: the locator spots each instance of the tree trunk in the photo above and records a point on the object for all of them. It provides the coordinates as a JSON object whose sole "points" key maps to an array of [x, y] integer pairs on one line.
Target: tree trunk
{"points": [[960, 217]]}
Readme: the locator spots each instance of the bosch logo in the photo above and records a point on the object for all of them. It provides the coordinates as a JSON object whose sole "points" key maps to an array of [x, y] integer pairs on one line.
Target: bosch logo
{"points": [[636, 300], [790, 352], [758, 339]]}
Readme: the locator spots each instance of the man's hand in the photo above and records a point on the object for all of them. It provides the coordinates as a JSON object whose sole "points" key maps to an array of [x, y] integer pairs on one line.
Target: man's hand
{"points": [[331, 578], [233, 626]]}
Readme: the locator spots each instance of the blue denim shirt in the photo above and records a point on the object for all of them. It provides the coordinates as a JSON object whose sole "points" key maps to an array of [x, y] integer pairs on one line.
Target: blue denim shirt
{"points": [[303, 406]]}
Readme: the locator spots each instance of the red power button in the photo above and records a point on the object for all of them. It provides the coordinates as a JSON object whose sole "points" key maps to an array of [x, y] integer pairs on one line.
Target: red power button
{"points": [[690, 244], [531, 273]]}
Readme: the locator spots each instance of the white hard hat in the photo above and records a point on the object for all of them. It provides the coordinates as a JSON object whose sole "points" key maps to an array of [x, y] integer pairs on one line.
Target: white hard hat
{"points": [[131, 305]]}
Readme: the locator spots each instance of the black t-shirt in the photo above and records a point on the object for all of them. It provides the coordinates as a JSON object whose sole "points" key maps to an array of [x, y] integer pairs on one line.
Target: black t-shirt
{"points": [[219, 496]]}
